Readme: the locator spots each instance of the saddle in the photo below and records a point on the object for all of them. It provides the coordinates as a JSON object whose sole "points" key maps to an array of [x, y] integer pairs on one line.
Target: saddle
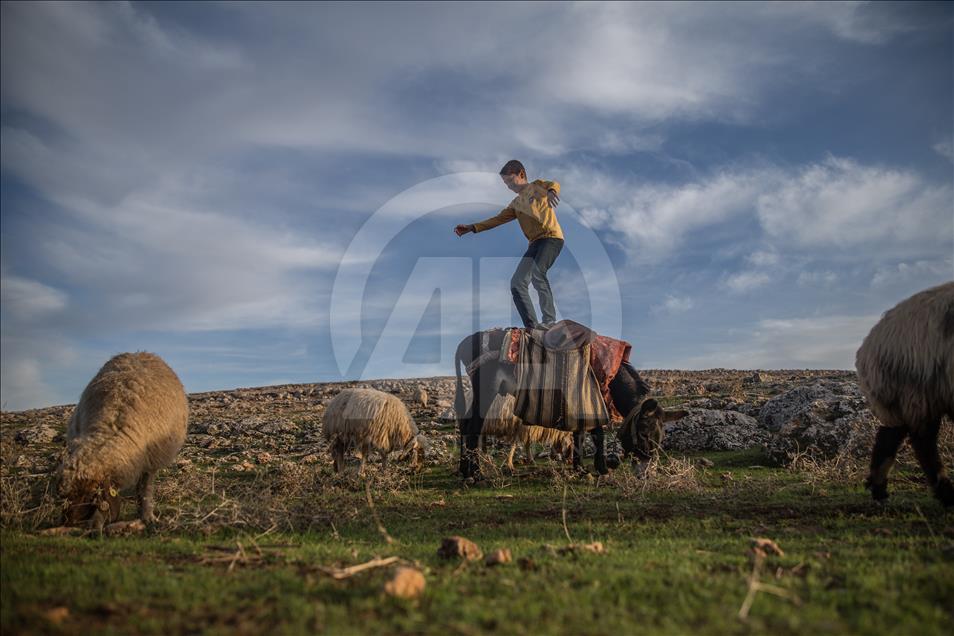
{"points": [[566, 335], [563, 375], [606, 354]]}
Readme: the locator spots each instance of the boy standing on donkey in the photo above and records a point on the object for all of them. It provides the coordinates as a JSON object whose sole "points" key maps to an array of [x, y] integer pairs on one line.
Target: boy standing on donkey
{"points": [[533, 207]]}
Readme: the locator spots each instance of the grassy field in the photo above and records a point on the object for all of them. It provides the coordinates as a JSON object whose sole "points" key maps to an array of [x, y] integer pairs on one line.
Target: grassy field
{"points": [[246, 555]]}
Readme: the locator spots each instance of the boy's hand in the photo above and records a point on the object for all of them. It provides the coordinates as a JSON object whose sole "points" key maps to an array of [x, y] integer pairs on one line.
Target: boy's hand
{"points": [[553, 198], [460, 230]]}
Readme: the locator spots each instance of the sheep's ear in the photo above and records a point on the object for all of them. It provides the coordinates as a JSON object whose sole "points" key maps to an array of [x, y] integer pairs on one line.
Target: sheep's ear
{"points": [[669, 416]]}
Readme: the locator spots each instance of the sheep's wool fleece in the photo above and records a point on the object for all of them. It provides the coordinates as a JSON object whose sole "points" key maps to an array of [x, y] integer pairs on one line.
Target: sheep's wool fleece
{"points": [[131, 418], [368, 417], [906, 364], [500, 422]]}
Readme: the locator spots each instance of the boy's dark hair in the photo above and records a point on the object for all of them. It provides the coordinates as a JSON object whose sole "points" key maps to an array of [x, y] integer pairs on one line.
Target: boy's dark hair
{"points": [[513, 167]]}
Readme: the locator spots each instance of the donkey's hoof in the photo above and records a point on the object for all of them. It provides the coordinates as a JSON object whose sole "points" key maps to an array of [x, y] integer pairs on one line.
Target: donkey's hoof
{"points": [[945, 492], [879, 492]]}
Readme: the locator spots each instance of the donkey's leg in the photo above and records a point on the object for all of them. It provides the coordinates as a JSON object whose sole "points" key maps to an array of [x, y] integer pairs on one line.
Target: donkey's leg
{"points": [[924, 443], [599, 458], [887, 442], [577, 449]]}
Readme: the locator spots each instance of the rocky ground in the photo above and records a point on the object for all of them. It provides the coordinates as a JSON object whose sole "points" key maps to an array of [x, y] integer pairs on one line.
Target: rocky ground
{"points": [[785, 412], [254, 526]]}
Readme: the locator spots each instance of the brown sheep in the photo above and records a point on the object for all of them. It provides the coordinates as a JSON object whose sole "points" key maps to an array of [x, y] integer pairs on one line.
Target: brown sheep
{"points": [[906, 371], [131, 421]]}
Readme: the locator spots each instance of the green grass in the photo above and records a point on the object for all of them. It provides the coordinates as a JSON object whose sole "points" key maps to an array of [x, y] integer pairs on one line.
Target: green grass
{"points": [[676, 561]]}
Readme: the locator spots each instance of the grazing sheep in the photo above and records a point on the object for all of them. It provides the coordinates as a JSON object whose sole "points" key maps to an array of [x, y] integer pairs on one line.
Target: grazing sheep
{"points": [[368, 419], [906, 371], [642, 432], [420, 396], [501, 423], [130, 421]]}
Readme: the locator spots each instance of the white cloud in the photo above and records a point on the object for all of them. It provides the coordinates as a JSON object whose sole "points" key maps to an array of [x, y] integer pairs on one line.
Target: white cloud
{"points": [[919, 273], [823, 342], [762, 258], [655, 218], [817, 279], [25, 299], [673, 305], [945, 148], [841, 203], [836, 203], [744, 282]]}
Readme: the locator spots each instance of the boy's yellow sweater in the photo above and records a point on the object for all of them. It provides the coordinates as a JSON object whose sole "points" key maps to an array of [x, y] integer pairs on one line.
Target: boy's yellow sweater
{"points": [[532, 211]]}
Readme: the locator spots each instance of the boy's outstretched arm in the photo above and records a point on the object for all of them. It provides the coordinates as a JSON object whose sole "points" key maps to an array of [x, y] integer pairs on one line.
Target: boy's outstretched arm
{"points": [[505, 215]]}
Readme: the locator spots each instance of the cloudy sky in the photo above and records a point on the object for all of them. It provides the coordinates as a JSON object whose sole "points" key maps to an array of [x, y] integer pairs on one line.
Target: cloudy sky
{"points": [[744, 185]]}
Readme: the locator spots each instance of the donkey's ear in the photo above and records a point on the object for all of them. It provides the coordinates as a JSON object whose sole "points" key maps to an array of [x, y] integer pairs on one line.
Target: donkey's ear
{"points": [[669, 416], [648, 406]]}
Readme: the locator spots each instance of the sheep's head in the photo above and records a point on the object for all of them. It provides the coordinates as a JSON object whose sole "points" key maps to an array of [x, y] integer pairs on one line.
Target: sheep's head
{"points": [[415, 452], [647, 428], [88, 502], [562, 448]]}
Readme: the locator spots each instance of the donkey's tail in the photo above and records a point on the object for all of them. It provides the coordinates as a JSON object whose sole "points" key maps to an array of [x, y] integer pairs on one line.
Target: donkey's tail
{"points": [[460, 400]]}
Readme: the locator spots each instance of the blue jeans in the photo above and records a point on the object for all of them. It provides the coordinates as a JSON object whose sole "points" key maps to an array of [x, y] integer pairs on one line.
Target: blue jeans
{"points": [[533, 268]]}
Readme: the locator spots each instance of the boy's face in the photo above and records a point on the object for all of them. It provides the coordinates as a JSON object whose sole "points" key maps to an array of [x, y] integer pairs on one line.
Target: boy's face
{"points": [[514, 181]]}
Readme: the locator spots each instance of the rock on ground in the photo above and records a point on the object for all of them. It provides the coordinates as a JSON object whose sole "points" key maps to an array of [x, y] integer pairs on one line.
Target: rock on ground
{"points": [[39, 434], [711, 430], [824, 420], [406, 583]]}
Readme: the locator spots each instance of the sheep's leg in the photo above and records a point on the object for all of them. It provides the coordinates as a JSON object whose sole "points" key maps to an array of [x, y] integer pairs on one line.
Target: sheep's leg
{"points": [[364, 458], [384, 461], [509, 462], [924, 443], [528, 452], [887, 442], [145, 489], [337, 454], [96, 523]]}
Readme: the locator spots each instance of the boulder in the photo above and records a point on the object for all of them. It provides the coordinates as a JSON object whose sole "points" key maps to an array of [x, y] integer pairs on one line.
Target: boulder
{"points": [[782, 408], [823, 420], [712, 430], [38, 434]]}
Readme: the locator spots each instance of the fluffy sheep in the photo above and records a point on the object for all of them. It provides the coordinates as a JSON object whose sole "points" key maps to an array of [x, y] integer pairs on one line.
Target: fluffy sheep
{"points": [[501, 423], [131, 421], [420, 396], [906, 371], [371, 420]]}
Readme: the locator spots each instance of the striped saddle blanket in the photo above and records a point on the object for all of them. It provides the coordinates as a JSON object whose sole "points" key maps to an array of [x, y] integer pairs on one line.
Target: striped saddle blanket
{"points": [[563, 375]]}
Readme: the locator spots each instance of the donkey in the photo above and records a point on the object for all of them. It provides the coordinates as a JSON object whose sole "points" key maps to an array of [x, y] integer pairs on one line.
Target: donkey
{"points": [[498, 377]]}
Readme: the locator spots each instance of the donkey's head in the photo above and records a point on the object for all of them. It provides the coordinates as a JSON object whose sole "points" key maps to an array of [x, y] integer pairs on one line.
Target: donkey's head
{"points": [[645, 429]]}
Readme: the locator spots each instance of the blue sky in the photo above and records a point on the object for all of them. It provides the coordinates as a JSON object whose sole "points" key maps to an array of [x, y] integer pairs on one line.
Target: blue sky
{"points": [[744, 185]]}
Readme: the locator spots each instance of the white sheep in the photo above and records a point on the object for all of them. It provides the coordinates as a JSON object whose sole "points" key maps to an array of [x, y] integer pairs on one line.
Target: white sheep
{"points": [[131, 421], [420, 396], [370, 420], [500, 422], [906, 371]]}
